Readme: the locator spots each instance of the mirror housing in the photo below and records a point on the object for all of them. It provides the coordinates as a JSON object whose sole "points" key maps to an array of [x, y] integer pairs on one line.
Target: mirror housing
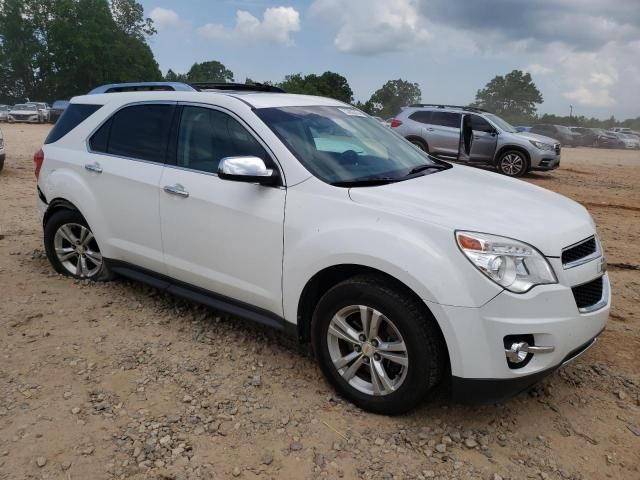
{"points": [[466, 138], [247, 169]]}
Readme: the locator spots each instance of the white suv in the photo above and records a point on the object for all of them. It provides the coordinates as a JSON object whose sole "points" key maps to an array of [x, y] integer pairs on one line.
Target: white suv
{"points": [[307, 215]]}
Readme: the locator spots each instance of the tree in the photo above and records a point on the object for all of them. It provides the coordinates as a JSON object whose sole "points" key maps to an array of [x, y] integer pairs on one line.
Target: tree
{"points": [[513, 96], [212, 71], [329, 84], [52, 49], [388, 100], [172, 76]]}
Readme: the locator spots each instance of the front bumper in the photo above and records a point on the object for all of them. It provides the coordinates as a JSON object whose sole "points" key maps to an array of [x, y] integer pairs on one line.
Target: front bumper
{"points": [[544, 160], [478, 391], [24, 118], [547, 313]]}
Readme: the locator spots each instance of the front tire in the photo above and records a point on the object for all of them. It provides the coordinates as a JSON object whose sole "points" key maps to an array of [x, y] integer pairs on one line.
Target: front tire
{"points": [[72, 249], [378, 346], [513, 163]]}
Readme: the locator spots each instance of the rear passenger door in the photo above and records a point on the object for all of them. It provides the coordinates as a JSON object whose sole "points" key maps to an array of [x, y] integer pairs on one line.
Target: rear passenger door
{"points": [[220, 235], [444, 133], [127, 155]]}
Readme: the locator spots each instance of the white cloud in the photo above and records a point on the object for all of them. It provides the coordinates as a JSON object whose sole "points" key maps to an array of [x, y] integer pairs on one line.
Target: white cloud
{"points": [[165, 17], [538, 69], [368, 27], [276, 26]]}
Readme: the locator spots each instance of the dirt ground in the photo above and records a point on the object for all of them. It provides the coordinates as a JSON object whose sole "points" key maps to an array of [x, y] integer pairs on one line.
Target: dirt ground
{"points": [[115, 380]]}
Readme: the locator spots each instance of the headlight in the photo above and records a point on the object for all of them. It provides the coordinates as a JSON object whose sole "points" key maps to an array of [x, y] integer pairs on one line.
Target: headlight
{"points": [[542, 146], [514, 265]]}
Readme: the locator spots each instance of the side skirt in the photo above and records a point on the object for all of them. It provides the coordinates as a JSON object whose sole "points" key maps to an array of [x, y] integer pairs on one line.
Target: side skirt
{"points": [[202, 296]]}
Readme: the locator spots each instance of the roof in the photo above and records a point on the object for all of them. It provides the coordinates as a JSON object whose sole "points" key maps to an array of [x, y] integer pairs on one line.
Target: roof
{"points": [[142, 86], [251, 98]]}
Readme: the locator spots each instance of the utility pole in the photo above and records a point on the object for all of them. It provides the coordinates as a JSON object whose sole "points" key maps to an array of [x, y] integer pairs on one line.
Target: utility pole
{"points": [[570, 111]]}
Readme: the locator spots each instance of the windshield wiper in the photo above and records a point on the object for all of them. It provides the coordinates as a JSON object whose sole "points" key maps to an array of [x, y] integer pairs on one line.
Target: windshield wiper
{"points": [[430, 166], [365, 182]]}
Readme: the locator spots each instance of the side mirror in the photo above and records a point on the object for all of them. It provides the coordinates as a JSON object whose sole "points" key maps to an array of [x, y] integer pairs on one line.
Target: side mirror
{"points": [[466, 139], [247, 169]]}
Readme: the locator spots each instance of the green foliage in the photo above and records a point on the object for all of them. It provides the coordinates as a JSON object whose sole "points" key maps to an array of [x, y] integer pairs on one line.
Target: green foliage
{"points": [[212, 71], [172, 76], [52, 49], [388, 100], [329, 84], [513, 96]]}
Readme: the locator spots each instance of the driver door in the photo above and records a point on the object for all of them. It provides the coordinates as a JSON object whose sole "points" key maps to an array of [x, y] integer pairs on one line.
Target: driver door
{"points": [[223, 236]]}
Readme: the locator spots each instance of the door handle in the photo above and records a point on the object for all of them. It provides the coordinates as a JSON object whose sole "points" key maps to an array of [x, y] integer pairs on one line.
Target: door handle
{"points": [[93, 167], [176, 189], [430, 129]]}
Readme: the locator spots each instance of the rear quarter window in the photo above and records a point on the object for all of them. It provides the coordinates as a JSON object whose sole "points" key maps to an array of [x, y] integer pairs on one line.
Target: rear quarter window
{"points": [[74, 115]]}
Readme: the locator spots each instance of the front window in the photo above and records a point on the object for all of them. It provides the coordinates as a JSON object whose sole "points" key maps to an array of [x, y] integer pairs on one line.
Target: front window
{"points": [[500, 123], [343, 146], [20, 107]]}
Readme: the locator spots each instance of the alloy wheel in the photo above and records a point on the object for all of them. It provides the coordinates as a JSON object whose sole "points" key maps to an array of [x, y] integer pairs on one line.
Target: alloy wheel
{"points": [[77, 250], [367, 350], [512, 164]]}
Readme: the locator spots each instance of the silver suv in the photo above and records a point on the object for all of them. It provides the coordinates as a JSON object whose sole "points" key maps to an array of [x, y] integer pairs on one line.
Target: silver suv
{"points": [[436, 130]]}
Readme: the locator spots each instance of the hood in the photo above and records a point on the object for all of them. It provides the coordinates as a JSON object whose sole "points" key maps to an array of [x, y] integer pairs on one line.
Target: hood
{"points": [[29, 111], [537, 138], [465, 198]]}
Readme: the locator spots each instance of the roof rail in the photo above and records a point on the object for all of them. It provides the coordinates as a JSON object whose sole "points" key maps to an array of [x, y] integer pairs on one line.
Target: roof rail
{"points": [[461, 107], [246, 87], [142, 87]]}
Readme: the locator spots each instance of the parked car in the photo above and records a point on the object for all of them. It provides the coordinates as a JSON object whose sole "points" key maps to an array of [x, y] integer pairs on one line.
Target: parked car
{"points": [[57, 109], [587, 137], [562, 134], [43, 110], [605, 138], [375, 257], [436, 130], [522, 128], [628, 141], [24, 112], [620, 130], [4, 113], [2, 153]]}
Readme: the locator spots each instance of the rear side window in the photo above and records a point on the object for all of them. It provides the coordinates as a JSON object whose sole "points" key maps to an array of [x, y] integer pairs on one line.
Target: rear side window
{"points": [[446, 119], [74, 115], [138, 131], [421, 116]]}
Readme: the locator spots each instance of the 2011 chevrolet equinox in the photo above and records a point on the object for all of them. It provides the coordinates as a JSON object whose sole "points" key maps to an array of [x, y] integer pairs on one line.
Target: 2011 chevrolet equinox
{"points": [[305, 214]]}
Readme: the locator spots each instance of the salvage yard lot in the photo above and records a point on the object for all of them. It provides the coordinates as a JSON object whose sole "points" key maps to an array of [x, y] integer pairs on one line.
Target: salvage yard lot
{"points": [[117, 380]]}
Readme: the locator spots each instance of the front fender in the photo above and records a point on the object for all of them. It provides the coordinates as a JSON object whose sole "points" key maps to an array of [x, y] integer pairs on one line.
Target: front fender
{"points": [[423, 257]]}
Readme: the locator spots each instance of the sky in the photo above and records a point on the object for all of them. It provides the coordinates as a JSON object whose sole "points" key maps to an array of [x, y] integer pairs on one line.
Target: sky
{"points": [[584, 53]]}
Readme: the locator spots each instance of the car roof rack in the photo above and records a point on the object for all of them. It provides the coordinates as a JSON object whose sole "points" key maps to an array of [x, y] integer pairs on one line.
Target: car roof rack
{"points": [[244, 87], [461, 107], [142, 87]]}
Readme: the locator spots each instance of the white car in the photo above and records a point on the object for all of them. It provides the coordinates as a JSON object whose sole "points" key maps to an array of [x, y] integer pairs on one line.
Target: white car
{"points": [[628, 141], [404, 272], [25, 112]]}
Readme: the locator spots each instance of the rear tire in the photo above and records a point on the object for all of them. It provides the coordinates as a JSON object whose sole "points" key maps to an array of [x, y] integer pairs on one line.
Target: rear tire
{"points": [[513, 163], [72, 249], [378, 346]]}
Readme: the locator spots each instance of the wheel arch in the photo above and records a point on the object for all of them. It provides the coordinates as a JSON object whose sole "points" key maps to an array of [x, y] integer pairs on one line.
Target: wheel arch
{"points": [[58, 204], [506, 148], [328, 277], [419, 139]]}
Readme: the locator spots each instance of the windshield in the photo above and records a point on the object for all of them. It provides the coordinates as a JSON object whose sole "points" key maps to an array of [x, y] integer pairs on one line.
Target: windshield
{"points": [[20, 107], [341, 144], [500, 123]]}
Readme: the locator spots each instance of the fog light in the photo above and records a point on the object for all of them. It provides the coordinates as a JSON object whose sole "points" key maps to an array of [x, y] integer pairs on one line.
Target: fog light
{"points": [[519, 350]]}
